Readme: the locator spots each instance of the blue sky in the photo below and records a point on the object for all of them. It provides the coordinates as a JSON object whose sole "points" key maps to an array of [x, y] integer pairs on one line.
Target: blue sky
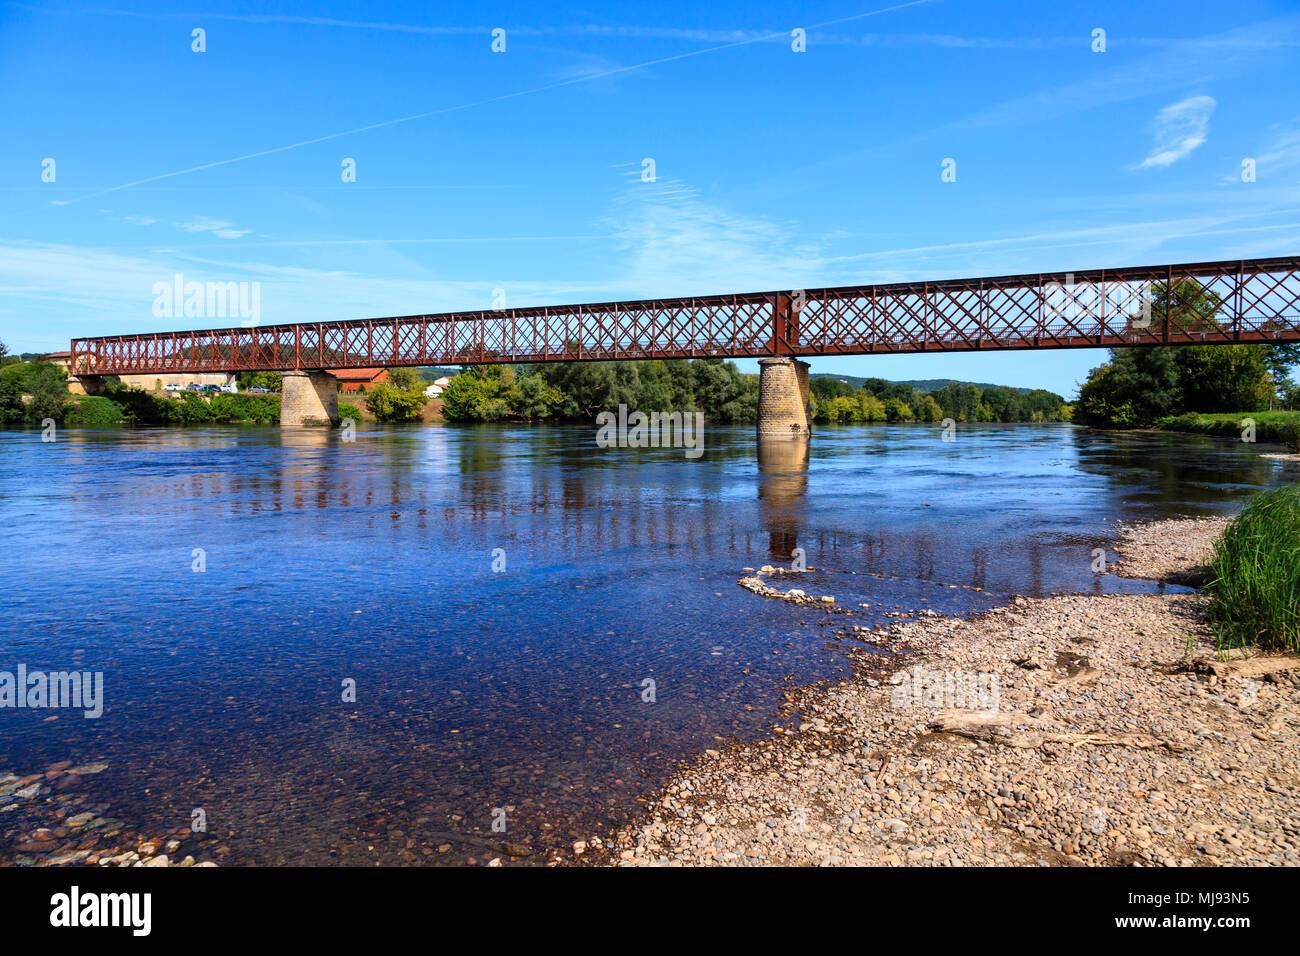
{"points": [[522, 170]]}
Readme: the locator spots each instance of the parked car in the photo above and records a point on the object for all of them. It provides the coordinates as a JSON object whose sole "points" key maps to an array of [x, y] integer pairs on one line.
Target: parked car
{"points": [[260, 389], [173, 388], [192, 387], [211, 388]]}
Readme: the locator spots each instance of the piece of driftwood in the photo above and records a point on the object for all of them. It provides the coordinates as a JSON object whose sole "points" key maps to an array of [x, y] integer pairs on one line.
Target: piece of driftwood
{"points": [[1008, 730], [1084, 675], [1248, 667]]}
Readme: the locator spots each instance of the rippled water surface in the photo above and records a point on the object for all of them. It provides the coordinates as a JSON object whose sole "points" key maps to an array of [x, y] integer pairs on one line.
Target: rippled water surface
{"points": [[372, 561]]}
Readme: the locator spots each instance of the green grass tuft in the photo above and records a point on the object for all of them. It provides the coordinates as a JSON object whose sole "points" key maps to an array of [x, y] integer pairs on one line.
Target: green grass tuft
{"points": [[1255, 575]]}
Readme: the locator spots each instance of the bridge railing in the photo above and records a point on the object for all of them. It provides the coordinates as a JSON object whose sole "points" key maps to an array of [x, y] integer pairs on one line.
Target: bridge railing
{"points": [[1253, 300]]}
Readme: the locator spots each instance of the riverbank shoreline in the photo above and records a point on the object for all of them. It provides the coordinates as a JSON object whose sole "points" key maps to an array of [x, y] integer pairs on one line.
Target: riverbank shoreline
{"points": [[1110, 743], [1277, 427]]}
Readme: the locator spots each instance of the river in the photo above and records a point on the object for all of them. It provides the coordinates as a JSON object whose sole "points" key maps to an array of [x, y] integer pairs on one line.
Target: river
{"points": [[342, 651]]}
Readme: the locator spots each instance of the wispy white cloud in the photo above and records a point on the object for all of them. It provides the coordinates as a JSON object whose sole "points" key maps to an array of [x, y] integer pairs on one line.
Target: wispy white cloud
{"points": [[671, 238], [1177, 130], [581, 66], [218, 227], [1283, 151], [1279, 155]]}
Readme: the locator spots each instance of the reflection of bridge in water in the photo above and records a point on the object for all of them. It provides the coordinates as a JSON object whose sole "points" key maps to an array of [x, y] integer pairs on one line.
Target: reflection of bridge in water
{"points": [[782, 495], [565, 498]]}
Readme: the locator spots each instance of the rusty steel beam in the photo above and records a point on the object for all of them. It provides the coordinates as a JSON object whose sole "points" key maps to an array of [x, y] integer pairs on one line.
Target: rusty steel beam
{"points": [[1248, 300]]}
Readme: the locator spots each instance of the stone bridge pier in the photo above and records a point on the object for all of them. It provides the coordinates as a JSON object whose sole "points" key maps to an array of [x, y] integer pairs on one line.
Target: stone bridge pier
{"points": [[86, 385], [309, 398], [784, 409]]}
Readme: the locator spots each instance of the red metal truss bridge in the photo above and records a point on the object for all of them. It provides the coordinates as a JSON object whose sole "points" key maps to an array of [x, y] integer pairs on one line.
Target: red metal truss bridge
{"points": [[1248, 300]]}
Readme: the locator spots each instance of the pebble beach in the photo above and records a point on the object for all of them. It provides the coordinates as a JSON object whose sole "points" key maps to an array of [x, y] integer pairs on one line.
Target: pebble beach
{"points": [[1118, 737]]}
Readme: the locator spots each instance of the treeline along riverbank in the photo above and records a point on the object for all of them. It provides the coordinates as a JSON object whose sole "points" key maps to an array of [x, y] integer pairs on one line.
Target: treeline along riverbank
{"points": [[578, 391]]}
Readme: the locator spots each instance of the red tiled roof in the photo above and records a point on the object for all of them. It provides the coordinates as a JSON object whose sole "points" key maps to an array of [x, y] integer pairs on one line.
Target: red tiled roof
{"points": [[356, 374]]}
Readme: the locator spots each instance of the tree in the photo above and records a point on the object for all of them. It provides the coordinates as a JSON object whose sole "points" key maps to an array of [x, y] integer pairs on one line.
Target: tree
{"points": [[485, 393], [721, 392], [6, 358], [1132, 390], [391, 404], [826, 388], [927, 409], [959, 402], [12, 409], [873, 409], [896, 410], [590, 387], [1280, 359], [405, 377], [1045, 406], [1006, 404], [847, 408], [537, 399], [901, 391], [1190, 307], [1224, 378], [271, 381], [49, 391]]}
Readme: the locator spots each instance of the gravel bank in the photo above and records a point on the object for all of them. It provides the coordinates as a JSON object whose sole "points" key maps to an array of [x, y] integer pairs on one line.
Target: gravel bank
{"points": [[1175, 550], [1091, 742]]}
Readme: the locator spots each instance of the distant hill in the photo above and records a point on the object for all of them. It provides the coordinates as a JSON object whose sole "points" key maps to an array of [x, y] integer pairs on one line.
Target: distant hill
{"points": [[920, 384]]}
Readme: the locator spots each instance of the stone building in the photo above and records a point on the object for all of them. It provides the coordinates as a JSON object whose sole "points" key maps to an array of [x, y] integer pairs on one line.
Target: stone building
{"points": [[156, 381]]}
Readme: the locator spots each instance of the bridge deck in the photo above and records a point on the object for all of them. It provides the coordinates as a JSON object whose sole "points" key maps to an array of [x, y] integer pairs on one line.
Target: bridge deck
{"points": [[1251, 300]]}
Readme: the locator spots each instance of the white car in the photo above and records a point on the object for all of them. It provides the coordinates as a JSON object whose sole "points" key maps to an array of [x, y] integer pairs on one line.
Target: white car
{"points": [[173, 388]]}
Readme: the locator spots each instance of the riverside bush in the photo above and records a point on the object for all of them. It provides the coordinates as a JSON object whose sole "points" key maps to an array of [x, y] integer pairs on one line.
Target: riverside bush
{"points": [[1278, 427], [93, 411], [193, 408], [388, 403]]}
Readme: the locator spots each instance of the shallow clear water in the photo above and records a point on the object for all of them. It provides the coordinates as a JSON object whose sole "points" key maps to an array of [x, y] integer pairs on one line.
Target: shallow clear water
{"points": [[372, 561]]}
